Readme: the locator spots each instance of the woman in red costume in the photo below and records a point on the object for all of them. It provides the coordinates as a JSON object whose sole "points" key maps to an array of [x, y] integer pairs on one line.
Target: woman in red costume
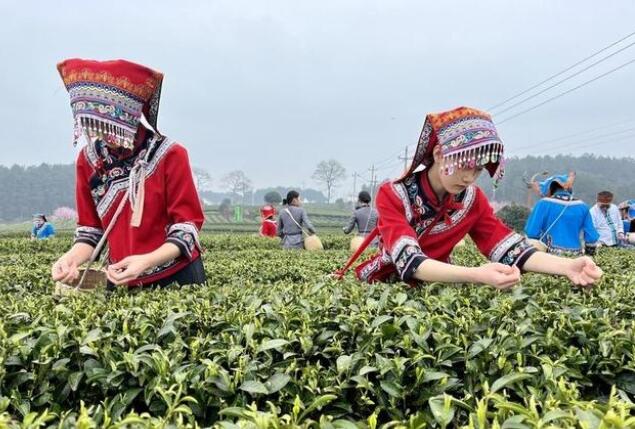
{"points": [[268, 226], [435, 204], [129, 178]]}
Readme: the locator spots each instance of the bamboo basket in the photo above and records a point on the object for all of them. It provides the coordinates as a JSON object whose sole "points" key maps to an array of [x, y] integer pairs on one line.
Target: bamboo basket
{"points": [[356, 242], [313, 243], [94, 279]]}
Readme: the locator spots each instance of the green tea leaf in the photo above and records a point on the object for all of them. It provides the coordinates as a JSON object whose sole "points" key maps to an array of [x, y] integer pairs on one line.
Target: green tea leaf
{"points": [[277, 382], [272, 344], [507, 380], [253, 386]]}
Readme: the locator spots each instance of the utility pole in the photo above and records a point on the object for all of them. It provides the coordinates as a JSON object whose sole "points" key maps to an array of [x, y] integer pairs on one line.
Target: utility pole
{"points": [[405, 158], [373, 182], [355, 176]]}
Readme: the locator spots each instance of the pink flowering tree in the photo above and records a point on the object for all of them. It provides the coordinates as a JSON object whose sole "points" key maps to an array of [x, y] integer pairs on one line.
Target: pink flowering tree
{"points": [[65, 213]]}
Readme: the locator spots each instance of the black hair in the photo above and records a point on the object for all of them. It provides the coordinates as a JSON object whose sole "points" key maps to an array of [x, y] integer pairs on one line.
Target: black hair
{"points": [[364, 197], [555, 187], [291, 195]]}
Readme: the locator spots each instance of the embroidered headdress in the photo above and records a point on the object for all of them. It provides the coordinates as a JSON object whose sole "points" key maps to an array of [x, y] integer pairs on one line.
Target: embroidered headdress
{"points": [[109, 97], [467, 137]]}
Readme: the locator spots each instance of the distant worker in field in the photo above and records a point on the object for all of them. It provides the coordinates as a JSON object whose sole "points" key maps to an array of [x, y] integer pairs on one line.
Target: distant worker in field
{"points": [[268, 225], [364, 217], [435, 204], [293, 222], [134, 186], [42, 229], [607, 220], [627, 210], [558, 219]]}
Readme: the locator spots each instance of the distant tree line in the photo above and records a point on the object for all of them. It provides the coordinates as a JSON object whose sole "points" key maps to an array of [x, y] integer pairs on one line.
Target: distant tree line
{"points": [[43, 188], [35, 189]]}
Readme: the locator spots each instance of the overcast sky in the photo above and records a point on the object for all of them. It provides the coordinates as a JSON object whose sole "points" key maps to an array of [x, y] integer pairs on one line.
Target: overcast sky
{"points": [[273, 87]]}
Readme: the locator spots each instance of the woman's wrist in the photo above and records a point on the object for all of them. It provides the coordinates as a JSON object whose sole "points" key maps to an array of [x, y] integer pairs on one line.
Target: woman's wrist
{"points": [[474, 275]]}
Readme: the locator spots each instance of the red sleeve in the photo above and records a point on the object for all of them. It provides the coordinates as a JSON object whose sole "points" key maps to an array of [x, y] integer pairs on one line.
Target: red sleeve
{"points": [[89, 227], [398, 237], [184, 206], [496, 240]]}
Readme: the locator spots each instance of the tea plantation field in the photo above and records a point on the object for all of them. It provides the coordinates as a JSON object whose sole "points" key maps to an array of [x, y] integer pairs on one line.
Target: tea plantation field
{"points": [[271, 342]]}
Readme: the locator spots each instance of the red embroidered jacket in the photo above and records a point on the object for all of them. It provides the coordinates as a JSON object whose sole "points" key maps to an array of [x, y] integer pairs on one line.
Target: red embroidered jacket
{"points": [[172, 210], [414, 225]]}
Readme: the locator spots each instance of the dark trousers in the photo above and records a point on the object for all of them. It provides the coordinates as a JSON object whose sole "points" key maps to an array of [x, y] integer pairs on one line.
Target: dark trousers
{"points": [[194, 273]]}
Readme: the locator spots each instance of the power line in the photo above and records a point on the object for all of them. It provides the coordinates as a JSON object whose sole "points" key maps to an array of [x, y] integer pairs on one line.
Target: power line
{"points": [[524, 100], [561, 72], [578, 141], [598, 143], [522, 112], [616, 124], [604, 142]]}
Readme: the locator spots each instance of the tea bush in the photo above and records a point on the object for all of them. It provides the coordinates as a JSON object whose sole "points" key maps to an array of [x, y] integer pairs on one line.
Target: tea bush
{"points": [[271, 341]]}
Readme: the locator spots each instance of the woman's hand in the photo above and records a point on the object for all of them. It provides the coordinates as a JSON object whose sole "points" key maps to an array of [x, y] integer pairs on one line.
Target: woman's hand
{"points": [[128, 269], [583, 271], [497, 275], [65, 269]]}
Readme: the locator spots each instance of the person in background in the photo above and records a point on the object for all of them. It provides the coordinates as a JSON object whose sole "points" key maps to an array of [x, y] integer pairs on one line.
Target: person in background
{"points": [[627, 210], [435, 204], [134, 186], [268, 226], [364, 216], [291, 222], [558, 219], [41, 228], [607, 220]]}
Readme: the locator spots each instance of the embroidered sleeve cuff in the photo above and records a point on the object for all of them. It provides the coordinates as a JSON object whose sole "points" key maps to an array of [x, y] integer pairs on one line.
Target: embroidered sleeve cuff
{"points": [[513, 250], [88, 235], [185, 237], [407, 256]]}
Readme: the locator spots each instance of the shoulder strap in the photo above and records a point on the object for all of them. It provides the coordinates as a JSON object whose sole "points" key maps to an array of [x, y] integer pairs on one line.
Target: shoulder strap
{"points": [[295, 221], [370, 213], [102, 241]]}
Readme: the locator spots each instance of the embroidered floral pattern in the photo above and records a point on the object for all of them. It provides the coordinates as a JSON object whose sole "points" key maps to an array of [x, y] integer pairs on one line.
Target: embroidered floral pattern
{"points": [[111, 175], [405, 253], [185, 237], [422, 213]]}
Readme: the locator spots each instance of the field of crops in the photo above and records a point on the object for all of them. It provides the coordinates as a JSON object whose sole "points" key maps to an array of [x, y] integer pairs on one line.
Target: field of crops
{"points": [[271, 342]]}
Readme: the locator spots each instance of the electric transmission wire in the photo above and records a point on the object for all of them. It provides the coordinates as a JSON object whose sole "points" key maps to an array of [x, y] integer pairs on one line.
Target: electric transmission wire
{"points": [[579, 133], [560, 73], [524, 100], [605, 142], [583, 140], [575, 88]]}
